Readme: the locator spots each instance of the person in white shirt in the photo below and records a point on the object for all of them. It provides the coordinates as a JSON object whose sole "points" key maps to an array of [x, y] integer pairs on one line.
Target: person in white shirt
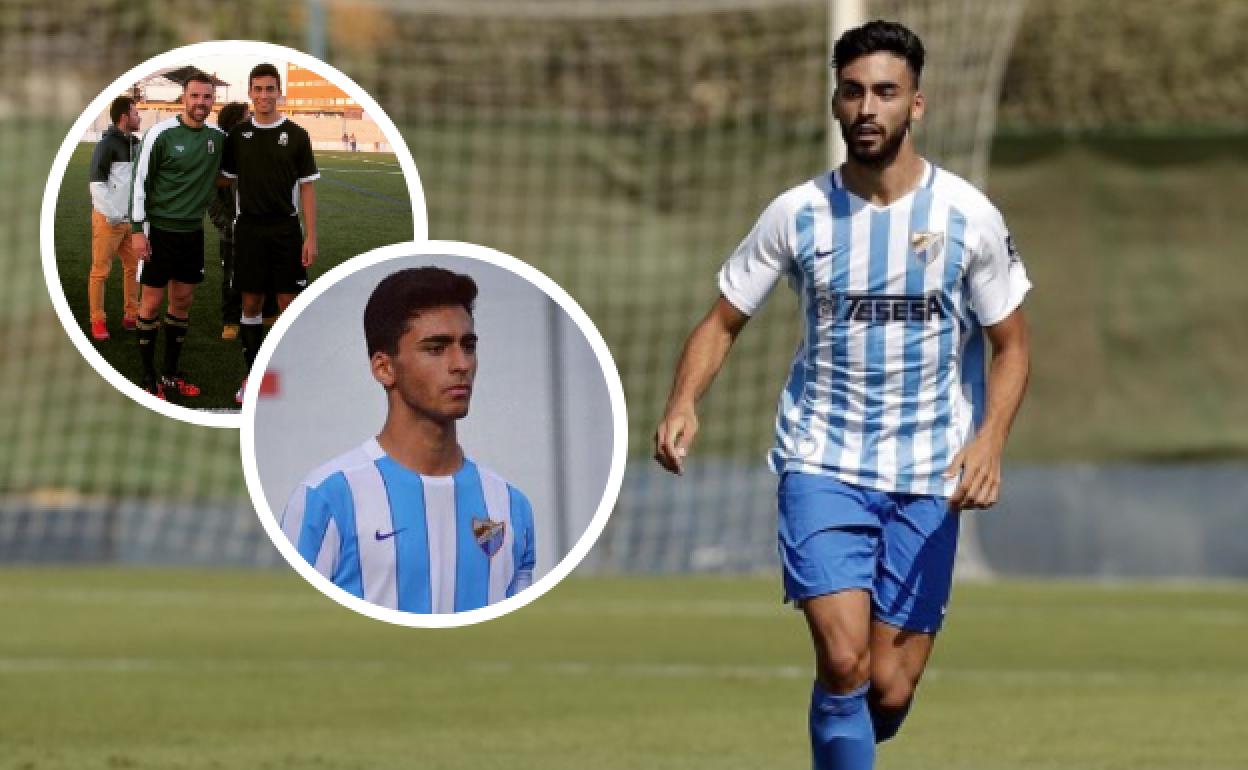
{"points": [[889, 424]]}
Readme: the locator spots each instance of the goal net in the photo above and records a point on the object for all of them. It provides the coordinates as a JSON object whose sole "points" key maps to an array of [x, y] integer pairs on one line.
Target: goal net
{"points": [[621, 147]]}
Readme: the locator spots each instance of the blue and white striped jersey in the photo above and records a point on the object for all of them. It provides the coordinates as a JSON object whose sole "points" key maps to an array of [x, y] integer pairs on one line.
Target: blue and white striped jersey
{"points": [[416, 543], [889, 379]]}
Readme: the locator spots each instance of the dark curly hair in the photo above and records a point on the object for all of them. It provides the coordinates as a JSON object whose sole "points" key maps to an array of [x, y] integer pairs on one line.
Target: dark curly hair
{"points": [[402, 295], [264, 70], [199, 77], [875, 36]]}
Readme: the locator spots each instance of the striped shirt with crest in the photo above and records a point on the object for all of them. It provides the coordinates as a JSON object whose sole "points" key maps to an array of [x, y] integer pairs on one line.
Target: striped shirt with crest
{"points": [[889, 379], [411, 542]]}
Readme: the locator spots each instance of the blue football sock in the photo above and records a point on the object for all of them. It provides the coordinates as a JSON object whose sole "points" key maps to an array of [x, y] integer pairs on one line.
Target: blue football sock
{"points": [[887, 723], [841, 736]]}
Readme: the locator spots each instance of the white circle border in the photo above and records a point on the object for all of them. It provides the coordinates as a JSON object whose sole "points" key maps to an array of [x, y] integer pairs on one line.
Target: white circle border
{"points": [[619, 450], [56, 178]]}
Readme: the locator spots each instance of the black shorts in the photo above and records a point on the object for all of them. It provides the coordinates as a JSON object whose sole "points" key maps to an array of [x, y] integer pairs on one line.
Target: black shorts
{"points": [[268, 256], [175, 257]]}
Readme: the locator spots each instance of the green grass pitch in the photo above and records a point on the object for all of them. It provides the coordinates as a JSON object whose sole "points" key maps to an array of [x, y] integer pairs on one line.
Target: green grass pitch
{"points": [[362, 203], [112, 668]]}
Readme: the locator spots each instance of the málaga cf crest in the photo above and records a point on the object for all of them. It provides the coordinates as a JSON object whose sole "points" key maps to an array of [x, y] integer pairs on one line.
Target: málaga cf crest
{"points": [[927, 246], [489, 534]]}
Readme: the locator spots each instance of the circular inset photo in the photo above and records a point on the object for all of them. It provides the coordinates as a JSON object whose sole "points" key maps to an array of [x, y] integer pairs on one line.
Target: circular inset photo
{"points": [[438, 436], [196, 197]]}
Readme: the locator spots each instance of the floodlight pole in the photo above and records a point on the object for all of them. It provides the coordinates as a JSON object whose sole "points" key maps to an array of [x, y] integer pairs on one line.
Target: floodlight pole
{"points": [[842, 15]]}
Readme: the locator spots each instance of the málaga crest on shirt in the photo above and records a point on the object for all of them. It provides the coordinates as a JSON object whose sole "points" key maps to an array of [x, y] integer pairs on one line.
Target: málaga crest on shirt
{"points": [[489, 534], [927, 246]]}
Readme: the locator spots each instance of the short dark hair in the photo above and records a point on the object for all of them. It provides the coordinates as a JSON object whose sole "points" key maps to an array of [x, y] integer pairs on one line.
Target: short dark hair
{"points": [[879, 35], [264, 70], [120, 106], [402, 295], [199, 77], [231, 115]]}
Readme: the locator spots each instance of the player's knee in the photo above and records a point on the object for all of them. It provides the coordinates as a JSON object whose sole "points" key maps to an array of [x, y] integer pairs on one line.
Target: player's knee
{"points": [[180, 300], [892, 698], [892, 687], [843, 667]]}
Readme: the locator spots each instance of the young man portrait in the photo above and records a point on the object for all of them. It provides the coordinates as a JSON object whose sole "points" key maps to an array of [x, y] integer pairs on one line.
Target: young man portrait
{"points": [[888, 425], [407, 521], [271, 159], [174, 180]]}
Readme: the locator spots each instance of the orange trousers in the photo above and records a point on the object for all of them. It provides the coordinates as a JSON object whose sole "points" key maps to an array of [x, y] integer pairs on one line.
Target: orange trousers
{"points": [[108, 241]]}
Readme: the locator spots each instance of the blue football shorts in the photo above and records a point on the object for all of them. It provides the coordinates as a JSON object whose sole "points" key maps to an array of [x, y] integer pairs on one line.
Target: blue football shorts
{"points": [[836, 537]]}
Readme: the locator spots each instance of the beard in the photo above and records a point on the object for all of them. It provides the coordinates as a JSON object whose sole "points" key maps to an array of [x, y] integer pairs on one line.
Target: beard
{"points": [[881, 156]]}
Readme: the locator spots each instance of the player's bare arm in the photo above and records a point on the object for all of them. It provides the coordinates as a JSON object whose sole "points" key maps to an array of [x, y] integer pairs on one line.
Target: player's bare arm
{"points": [[979, 462], [307, 202], [700, 360]]}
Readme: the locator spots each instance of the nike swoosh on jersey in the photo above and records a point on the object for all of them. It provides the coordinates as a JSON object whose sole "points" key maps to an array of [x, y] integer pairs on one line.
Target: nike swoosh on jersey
{"points": [[386, 536]]}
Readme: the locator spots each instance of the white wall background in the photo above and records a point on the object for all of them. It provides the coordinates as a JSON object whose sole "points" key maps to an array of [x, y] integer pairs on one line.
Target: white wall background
{"points": [[548, 432]]}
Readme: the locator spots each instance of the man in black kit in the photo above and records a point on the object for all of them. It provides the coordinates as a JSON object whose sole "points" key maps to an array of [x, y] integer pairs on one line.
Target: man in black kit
{"points": [[271, 157]]}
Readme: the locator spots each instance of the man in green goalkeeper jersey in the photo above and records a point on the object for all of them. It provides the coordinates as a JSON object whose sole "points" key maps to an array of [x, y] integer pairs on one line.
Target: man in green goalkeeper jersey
{"points": [[173, 183]]}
